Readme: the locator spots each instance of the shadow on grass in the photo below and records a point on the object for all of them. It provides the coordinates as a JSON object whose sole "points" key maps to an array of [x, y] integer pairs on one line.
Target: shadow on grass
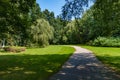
{"points": [[85, 66], [30, 67], [112, 61]]}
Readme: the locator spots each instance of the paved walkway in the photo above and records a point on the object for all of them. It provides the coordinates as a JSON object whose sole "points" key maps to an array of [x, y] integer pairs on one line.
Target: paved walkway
{"points": [[83, 65]]}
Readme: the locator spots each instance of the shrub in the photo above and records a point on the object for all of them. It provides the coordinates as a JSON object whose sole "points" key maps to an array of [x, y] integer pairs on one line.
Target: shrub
{"points": [[106, 42], [14, 49]]}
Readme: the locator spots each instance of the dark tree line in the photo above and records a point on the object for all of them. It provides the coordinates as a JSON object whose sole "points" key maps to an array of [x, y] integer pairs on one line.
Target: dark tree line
{"points": [[102, 19], [17, 18], [22, 23]]}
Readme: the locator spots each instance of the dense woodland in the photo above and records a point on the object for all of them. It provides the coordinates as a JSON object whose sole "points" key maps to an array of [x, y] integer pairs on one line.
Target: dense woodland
{"points": [[22, 23]]}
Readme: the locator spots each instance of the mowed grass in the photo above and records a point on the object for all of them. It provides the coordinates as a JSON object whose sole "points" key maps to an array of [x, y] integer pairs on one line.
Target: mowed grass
{"points": [[108, 55], [34, 63]]}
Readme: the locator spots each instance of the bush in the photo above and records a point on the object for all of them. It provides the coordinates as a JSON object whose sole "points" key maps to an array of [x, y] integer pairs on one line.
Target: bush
{"points": [[14, 49], [106, 42]]}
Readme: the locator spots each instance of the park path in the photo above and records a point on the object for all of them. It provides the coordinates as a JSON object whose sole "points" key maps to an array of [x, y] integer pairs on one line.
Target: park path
{"points": [[83, 65]]}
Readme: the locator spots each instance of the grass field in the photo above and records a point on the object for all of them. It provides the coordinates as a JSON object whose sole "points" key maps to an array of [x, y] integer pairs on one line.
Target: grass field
{"points": [[34, 63], [108, 55]]}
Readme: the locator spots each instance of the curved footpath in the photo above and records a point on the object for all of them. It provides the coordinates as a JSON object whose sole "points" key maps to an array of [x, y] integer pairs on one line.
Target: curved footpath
{"points": [[83, 65]]}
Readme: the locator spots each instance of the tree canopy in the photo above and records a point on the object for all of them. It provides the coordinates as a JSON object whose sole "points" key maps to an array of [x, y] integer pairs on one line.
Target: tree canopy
{"points": [[74, 8], [22, 23]]}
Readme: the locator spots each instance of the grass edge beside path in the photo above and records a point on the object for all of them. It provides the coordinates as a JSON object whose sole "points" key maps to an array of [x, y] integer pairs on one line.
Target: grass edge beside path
{"points": [[109, 56], [34, 63]]}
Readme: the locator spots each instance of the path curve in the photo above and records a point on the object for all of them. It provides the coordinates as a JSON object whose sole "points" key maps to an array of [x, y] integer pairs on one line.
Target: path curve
{"points": [[83, 65]]}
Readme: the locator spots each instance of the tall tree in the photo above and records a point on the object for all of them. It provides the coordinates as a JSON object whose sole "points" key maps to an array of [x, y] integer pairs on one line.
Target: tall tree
{"points": [[41, 32], [107, 13], [14, 14], [35, 12]]}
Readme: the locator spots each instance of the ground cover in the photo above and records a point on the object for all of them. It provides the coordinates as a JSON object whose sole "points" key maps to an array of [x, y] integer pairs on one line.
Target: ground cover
{"points": [[34, 63]]}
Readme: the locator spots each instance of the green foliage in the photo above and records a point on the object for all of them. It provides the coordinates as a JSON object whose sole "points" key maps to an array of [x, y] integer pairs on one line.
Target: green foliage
{"points": [[74, 8], [102, 19], [34, 63], [106, 42], [15, 21], [41, 32], [71, 33], [22, 24], [59, 25], [106, 14], [35, 12]]}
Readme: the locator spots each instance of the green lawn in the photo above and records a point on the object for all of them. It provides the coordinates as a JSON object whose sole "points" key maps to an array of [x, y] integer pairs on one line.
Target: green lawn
{"points": [[33, 64], [108, 55]]}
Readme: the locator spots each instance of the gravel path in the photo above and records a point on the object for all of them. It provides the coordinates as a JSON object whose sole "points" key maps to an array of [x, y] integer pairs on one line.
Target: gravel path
{"points": [[83, 65]]}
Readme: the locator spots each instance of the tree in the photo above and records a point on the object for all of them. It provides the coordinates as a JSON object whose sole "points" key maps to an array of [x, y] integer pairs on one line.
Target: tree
{"points": [[35, 12], [15, 19], [49, 16], [41, 32], [59, 25], [74, 8], [106, 12], [101, 19], [70, 32]]}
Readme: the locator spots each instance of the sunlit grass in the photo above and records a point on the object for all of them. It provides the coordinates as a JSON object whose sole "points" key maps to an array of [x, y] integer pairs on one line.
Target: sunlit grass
{"points": [[108, 55], [34, 63]]}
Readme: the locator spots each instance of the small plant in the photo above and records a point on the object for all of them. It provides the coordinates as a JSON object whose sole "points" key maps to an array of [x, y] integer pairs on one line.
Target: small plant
{"points": [[14, 49]]}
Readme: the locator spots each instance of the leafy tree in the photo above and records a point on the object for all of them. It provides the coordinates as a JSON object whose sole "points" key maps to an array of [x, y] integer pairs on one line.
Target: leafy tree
{"points": [[41, 32], [35, 12], [70, 31], [107, 14], [101, 19], [74, 8], [14, 20], [49, 16], [59, 34]]}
